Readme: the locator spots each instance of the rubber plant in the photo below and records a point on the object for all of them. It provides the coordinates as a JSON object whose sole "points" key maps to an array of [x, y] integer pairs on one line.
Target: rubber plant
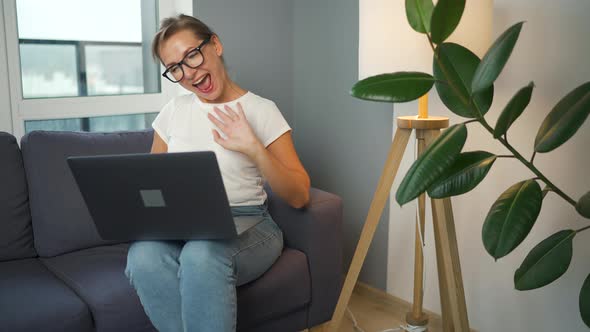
{"points": [[465, 85]]}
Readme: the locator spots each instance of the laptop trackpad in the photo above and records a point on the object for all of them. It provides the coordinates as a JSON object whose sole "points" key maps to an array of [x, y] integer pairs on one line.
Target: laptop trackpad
{"points": [[244, 223]]}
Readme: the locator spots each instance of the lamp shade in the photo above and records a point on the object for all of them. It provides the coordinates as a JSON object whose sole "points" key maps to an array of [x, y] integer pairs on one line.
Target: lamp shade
{"points": [[387, 43]]}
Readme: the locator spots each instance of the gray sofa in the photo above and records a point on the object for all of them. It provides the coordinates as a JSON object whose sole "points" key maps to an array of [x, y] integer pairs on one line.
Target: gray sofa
{"points": [[56, 274]]}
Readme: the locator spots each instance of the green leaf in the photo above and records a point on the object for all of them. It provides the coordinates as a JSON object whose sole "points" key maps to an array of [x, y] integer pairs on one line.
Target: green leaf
{"points": [[511, 218], [546, 262], [495, 59], [585, 301], [432, 163], [468, 170], [393, 88], [459, 65], [419, 13], [583, 206], [445, 18], [513, 110], [564, 119]]}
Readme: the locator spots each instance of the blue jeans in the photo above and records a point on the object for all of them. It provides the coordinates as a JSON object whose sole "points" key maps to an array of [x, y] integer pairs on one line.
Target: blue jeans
{"points": [[191, 285]]}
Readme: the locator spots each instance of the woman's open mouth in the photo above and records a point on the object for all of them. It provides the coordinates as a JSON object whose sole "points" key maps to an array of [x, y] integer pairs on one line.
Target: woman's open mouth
{"points": [[205, 84]]}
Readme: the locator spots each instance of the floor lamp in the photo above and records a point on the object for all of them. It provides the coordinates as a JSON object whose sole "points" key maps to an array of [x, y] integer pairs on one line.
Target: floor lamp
{"points": [[474, 32]]}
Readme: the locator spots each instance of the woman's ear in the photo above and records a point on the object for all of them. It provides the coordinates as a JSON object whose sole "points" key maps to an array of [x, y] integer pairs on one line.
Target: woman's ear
{"points": [[218, 45]]}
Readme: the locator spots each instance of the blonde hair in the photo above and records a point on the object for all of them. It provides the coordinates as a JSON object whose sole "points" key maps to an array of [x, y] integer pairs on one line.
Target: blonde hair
{"points": [[171, 25]]}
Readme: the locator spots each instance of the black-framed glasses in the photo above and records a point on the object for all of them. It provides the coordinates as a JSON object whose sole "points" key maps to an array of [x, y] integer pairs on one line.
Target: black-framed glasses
{"points": [[193, 59]]}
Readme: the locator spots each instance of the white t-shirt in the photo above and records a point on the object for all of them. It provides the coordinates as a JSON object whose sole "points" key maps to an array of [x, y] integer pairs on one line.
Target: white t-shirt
{"points": [[184, 127]]}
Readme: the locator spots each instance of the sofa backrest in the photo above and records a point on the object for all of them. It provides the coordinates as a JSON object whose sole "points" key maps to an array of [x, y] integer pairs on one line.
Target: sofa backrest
{"points": [[61, 221], [16, 232]]}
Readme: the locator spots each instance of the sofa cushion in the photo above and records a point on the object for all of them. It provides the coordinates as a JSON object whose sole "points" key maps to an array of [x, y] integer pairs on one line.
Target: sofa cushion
{"points": [[97, 275], [16, 232], [33, 299], [284, 288], [61, 221]]}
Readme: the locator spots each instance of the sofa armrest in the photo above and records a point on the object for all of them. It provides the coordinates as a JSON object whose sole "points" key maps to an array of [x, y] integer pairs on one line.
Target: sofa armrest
{"points": [[315, 230]]}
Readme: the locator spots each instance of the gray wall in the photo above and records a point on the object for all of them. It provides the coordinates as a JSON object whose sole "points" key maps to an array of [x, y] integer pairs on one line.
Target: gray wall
{"points": [[304, 55], [257, 40], [342, 141]]}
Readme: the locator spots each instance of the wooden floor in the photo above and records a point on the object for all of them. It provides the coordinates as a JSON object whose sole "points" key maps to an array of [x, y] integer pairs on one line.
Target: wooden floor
{"points": [[376, 311]]}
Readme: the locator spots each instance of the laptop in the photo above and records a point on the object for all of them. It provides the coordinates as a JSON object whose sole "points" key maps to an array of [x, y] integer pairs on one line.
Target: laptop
{"points": [[168, 196]]}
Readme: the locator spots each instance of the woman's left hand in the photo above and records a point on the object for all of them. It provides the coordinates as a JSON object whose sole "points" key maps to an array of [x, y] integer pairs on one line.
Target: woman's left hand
{"points": [[239, 136]]}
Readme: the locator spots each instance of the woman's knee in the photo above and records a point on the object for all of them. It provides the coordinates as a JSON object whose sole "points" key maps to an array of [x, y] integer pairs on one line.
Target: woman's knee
{"points": [[151, 257], [203, 255]]}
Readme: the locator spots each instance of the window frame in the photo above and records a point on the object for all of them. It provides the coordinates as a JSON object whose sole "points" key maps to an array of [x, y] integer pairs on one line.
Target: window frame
{"points": [[22, 110]]}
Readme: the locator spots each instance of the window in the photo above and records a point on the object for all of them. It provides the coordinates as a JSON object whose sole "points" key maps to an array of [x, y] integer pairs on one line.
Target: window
{"points": [[51, 68], [100, 123], [48, 70], [117, 69], [84, 64], [94, 58]]}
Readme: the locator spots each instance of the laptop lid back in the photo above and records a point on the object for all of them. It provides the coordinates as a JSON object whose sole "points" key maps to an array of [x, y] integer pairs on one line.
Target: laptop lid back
{"points": [[169, 196]]}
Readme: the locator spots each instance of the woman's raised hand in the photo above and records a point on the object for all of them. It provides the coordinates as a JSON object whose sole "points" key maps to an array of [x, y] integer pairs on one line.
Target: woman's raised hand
{"points": [[239, 136]]}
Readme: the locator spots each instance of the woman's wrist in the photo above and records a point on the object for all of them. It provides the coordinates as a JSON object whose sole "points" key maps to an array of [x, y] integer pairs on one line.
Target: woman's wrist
{"points": [[256, 151]]}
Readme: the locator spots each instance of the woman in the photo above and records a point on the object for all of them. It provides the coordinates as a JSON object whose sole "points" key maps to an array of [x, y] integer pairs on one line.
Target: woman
{"points": [[191, 285]]}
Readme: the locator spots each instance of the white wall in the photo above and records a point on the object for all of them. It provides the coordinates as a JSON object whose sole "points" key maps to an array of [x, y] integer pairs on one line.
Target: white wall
{"points": [[553, 52]]}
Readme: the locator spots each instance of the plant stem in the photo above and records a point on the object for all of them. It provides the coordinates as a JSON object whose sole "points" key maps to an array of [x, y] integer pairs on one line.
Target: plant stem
{"points": [[506, 156], [582, 229], [533, 156], [528, 164], [431, 43], [470, 121], [504, 141], [546, 190]]}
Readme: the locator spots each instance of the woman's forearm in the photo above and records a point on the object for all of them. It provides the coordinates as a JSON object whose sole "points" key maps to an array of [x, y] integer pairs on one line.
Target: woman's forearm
{"points": [[290, 185]]}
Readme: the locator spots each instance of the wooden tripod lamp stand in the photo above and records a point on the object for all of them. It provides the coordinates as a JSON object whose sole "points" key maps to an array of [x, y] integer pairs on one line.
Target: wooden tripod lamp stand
{"points": [[474, 31], [454, 310]]}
